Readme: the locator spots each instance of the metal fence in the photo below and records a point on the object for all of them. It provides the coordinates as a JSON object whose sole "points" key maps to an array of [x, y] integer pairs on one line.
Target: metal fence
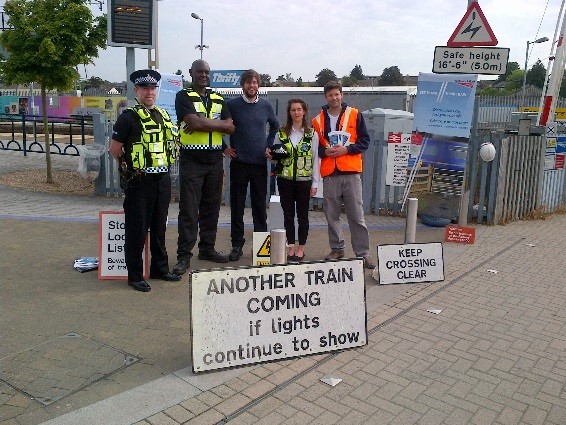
{"points": [[25, 133], [496, 111]]}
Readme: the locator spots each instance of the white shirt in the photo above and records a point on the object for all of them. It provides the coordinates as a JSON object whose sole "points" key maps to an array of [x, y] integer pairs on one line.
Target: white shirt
{"points": [[333, 121], [250, 101], [295, 137]]}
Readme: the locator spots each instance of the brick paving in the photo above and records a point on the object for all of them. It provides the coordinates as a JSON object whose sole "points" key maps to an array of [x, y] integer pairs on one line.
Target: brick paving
{"points": [[496, 354]]}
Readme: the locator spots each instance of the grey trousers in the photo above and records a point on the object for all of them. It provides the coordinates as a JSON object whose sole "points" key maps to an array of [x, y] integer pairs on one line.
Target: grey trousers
{"points": [[345, 189]]}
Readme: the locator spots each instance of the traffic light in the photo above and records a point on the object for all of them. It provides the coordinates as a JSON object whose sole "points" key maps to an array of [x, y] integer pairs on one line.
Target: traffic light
{"points": [[132, 23]]}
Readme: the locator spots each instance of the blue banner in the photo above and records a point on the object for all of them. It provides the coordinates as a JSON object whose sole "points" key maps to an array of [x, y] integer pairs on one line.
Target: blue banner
{"points": [[225, 78], [445, 104]]}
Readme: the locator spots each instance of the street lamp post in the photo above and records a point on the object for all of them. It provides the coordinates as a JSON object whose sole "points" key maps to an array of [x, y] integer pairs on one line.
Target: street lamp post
{"points": [[538, 40], [201, 46]]}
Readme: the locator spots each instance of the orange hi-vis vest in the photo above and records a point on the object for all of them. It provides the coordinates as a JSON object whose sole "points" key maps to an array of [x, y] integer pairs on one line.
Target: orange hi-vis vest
{"points": [[349, 163]]}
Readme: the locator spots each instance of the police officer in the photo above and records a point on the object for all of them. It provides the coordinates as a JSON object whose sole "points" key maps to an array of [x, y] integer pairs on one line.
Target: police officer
{"points": [[143, 144], [203, 118]]}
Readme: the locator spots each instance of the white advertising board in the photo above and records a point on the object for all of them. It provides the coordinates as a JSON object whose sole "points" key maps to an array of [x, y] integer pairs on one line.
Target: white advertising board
{"points": [[249, 315], [111, 260], [410, 263]]}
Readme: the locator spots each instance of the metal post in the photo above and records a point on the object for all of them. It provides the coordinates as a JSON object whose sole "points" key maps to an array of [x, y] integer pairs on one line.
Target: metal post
{"points": [[525, 75], [130, 67], [99, 132], [465, 190], [278, 246], [201, 46], [539, 40], [411, 222], [201, 36]]}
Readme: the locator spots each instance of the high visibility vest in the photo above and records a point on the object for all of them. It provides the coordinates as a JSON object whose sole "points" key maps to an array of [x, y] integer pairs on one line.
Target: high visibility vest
{"points": [[299, 165], [351, 163], [156, 145], [203, 139]]}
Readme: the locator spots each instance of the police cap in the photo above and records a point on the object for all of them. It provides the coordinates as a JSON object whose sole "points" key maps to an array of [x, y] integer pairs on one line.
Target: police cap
{"points": [[145, 77]]}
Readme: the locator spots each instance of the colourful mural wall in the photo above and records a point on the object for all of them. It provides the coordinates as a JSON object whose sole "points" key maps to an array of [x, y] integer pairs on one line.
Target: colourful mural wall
{"points": [[62, 106]]}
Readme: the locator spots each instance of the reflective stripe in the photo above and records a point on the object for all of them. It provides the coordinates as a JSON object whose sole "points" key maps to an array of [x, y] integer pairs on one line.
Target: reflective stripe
{"points": [[200, 147], [346, 118], [155, 170], [345, 163], [155, 147], [299, 165], [212, 110]]}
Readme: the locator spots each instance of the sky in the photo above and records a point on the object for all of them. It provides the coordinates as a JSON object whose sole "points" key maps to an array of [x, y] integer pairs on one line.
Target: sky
{"points": [[303, 37]]}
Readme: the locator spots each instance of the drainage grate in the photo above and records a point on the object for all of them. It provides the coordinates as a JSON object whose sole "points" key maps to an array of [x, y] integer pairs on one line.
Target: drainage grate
{"points": [[62, 366]]}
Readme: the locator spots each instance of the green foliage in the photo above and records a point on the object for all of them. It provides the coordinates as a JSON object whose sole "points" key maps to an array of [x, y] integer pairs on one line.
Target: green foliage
{"points": [[349, 81], [511, 66], [490, 91], [357, 72], [324, 76], [265, 80], [48, 40], [391, 77], [514, 81], [536, 75], [300, 82]]}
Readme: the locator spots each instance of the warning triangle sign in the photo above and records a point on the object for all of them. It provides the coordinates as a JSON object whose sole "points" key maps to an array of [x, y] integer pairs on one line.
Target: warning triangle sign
{"points": [[473, 30], [265, 249]]}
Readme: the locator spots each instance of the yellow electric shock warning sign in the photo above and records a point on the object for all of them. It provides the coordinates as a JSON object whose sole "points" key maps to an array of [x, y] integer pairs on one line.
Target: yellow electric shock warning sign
{"points": [[265, 249], [261, 249]]}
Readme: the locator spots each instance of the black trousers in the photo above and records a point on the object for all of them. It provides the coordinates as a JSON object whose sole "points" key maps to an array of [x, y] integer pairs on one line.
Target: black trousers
{"points": [[295, 197], [240, 176], [146, 206], [199, 205]]}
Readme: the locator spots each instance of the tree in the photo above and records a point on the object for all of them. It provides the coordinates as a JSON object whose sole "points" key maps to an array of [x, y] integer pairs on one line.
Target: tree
{"points": [[511, 66], [349, 81], [357, 73], [324, 76], [95, 83], [514, 81], [536, 75], [265, 80], [391, 77], [48, 39]]}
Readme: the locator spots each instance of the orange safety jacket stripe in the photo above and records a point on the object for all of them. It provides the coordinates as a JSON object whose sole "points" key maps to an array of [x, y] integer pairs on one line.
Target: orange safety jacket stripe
{"points": [[351, 163]]}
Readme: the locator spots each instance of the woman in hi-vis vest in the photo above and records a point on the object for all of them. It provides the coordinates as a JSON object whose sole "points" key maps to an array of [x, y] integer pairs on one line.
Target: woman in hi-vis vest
{"points": [[295, 150]]}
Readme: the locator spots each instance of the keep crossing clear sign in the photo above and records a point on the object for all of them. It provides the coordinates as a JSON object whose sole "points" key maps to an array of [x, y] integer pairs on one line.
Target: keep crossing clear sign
{"points": [[410, 263]]}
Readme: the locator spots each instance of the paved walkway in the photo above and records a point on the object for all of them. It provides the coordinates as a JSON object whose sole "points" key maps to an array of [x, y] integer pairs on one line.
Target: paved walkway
{"points": [[110, 355]]}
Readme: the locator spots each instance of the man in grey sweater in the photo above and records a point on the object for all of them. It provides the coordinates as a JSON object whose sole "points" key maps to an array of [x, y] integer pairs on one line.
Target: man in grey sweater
{"points": [[248, 153]]}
